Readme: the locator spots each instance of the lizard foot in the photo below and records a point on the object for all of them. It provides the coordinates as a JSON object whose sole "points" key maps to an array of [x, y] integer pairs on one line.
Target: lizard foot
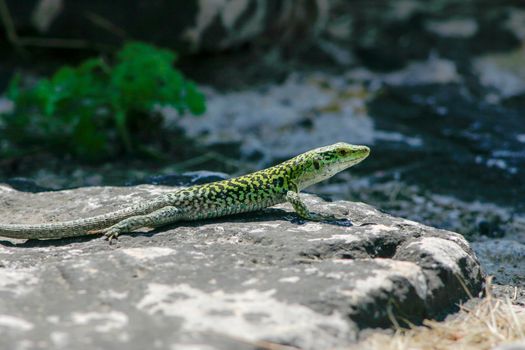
{"points": [[111, 234]]}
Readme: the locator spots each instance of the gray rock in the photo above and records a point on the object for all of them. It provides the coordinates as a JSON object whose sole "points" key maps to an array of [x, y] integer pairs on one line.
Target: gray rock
{"points": [[186, 25], [222, 284], [502, 258]]}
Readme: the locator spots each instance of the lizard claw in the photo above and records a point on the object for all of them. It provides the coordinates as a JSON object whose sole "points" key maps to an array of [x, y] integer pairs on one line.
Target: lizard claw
{"points": [[110, 235]]}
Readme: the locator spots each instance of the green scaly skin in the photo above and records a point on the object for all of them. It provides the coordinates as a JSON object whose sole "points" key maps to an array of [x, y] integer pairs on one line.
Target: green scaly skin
{"points": [[255, 191]]}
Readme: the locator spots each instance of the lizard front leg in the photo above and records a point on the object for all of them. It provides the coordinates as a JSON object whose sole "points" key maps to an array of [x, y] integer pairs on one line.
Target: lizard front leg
{"points": [[156, 218], [302, 210]]}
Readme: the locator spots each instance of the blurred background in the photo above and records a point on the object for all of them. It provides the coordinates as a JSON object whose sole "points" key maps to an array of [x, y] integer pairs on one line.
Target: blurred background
{"points": [[114, 93]]}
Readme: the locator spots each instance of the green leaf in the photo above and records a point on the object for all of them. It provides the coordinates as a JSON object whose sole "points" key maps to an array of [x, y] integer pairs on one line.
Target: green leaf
{"points": [[13, 89], [83, 109], [195, 99]]}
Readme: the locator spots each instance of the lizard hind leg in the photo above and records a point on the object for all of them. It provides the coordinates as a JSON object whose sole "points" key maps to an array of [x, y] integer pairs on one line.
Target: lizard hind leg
{"points": [[159, 217]]}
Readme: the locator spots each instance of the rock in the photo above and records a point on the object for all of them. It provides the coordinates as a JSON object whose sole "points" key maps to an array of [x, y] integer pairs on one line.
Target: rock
{"points": [[186, 25], [484, 163], [228, 283], [405, 31], [502, 258]]}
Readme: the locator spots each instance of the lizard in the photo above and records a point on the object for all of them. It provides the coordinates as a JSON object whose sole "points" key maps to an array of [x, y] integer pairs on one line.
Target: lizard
{"points": [[255, 191]]}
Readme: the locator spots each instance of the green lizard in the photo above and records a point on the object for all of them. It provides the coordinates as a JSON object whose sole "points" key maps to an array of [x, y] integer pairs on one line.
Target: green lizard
{"points": [[255, 191]]}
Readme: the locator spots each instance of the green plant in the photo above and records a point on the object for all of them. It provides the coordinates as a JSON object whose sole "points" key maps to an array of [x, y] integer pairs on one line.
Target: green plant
{"points": [[90, 110]]}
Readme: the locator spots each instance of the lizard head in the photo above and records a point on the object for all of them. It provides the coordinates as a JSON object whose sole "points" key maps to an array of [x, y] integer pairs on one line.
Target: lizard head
{"points": [[324, 162]]}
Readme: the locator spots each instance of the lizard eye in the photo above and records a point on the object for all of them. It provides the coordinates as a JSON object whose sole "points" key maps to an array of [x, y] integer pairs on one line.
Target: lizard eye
{"points": [[343, 152], [316, 165]]}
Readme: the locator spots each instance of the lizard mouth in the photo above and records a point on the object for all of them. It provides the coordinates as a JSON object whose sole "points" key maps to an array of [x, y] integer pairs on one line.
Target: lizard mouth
{"points": [[359, 154]]}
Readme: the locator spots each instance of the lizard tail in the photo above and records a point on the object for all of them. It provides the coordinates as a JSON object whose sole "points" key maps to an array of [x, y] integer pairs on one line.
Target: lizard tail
{"points": [[79, 227]]}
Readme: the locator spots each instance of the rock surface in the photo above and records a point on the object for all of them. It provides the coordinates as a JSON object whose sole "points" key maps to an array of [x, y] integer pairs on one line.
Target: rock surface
{"points": [[223, 284], [190, 25]]}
